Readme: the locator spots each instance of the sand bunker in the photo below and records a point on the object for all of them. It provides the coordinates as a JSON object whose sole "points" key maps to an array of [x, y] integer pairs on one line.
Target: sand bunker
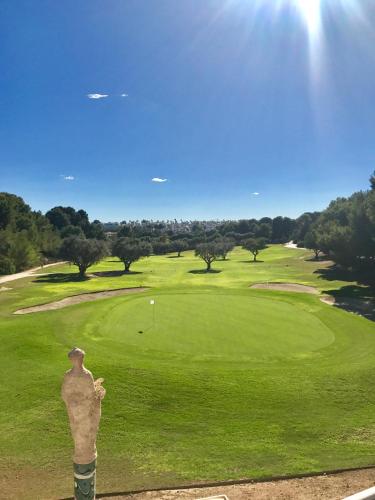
{"points": [[77, 299], [286, 287]]}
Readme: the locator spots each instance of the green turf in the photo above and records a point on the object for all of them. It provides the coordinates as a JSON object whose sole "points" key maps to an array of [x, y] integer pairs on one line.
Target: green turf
{"points": [[224, 381]]}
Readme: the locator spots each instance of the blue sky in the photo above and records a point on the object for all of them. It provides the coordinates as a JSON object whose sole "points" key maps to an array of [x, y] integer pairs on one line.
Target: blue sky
{"points": [[224, 98]]}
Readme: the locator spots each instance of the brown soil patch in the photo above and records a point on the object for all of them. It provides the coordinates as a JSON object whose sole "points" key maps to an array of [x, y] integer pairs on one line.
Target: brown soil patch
{"points": [[77, 299], [287, 287], [4, 288], [324, 487]]}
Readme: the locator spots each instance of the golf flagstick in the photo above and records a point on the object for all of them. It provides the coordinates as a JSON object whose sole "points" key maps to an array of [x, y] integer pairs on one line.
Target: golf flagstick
{"points": [[152, 302]]}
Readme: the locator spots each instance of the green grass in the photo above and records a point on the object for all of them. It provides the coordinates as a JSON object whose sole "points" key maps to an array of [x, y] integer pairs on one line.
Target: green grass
{"points": [[224, 382]]}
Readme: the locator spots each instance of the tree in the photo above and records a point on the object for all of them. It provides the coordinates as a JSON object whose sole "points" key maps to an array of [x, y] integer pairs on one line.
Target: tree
{"points": [[61, 217], [254, 245], [83, 253], [179, 246], [264, 230], [130, 250], [95, 230], [124, 231], [5, 212], [24, 235], [207, 252], [23, 253], [282, 229], [224, 246], [161, 247], [71, 231], [311, 242], [58, 218], [7, 266], [372, 181]]}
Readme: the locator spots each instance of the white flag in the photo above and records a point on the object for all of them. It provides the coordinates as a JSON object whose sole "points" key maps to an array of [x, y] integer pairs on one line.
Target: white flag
{"points": [[152, 302]]}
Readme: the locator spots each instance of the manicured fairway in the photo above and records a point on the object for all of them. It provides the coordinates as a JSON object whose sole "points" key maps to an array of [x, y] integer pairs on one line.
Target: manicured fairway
{"points": [[214, 381]]}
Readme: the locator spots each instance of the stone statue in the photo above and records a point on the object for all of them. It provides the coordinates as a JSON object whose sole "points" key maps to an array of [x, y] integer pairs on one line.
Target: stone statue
{"points": [[82, 396]]}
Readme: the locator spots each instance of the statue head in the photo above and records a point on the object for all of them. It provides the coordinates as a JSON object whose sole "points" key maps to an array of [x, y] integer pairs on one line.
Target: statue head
{"points": [[76, 356]]}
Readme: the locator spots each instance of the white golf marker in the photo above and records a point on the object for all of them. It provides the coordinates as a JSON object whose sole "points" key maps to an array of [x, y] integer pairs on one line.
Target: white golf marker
{"points": [[152, 302]]}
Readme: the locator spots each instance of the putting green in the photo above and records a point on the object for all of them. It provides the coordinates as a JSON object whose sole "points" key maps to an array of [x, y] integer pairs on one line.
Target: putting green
{"points": [[215, 327]]}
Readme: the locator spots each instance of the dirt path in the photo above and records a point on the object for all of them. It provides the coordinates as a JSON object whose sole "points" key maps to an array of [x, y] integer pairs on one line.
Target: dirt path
{"points": [[26, 274], [287, 287], [325, 487], [78, 299]]}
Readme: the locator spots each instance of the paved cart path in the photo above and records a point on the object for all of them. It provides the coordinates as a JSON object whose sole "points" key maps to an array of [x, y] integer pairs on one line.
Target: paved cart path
{"points": [[26, 274]]}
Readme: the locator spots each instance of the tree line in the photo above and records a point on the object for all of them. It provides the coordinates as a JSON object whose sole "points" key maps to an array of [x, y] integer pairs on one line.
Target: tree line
{"points": [[345, 232], [26, 237]]}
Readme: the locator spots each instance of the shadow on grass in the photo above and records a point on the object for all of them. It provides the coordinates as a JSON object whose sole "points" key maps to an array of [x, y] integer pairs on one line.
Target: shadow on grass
{"points": [[353, 292], [251, 261], [113, 274], [321, 258], [204, 271], [337, 273], [355, 299], [175, 256], [61, 278]]}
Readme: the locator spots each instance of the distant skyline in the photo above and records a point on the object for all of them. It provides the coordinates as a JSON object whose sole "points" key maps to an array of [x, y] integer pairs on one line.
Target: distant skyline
{"points": [[222, 109]]}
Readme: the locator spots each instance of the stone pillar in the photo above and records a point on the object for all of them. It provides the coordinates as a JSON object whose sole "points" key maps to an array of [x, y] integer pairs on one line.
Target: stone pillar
{"points": [[82, 396]]}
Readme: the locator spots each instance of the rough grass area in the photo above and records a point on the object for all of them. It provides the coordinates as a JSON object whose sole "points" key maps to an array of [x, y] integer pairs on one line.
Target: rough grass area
{"points": [[219, 381]]}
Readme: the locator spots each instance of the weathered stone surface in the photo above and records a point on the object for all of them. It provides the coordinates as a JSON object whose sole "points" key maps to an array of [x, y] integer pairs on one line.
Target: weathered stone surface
{"points": [[82, 396]]}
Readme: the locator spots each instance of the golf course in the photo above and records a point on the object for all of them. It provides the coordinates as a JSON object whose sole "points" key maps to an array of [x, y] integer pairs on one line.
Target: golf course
{"points": [[207, 378]]}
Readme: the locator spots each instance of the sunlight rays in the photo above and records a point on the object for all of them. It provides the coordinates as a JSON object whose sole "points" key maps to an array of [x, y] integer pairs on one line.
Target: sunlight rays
{"points": [[310, 11]]}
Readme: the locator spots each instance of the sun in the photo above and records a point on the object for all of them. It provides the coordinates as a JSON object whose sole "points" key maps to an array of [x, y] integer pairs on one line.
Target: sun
{"points": [[310, 11]]}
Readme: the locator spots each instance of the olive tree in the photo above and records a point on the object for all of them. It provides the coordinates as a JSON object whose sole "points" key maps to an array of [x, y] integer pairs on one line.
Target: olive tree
{"points": [[224, 246], [207, 252], [129, 250], [179, 246], [311, 242], [254, 246], [83, 253]]}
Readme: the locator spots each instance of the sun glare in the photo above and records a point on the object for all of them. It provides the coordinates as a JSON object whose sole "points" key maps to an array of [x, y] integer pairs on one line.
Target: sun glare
{"points": [[310, 11]]}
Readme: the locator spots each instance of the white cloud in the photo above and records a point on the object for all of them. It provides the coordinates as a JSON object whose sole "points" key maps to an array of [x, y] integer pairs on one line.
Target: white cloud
{"points": [[158, 179], [124, 95], [97, 96], [68, 177], [255, 194]]}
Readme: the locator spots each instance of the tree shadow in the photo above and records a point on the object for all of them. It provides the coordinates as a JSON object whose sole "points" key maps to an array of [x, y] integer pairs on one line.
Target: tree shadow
{"points": [[204, 271], [175, 256], [61, 278], [337, 273], [358, 298], [353, 292], [355, 299], [251, 261], [113, 274]]}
